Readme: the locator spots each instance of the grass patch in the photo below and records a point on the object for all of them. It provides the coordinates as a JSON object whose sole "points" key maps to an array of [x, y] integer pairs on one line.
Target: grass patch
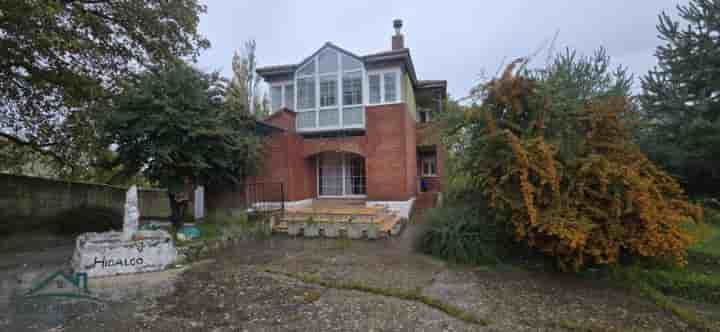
{"points": [[709, 240], [403, 294], [311, 296], [700, 280], [635, 279]]}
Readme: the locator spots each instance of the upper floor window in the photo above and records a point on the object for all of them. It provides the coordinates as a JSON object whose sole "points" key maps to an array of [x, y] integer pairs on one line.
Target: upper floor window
{"points": [[426, 115], [384, 86], [282, 95], [329, 91], [352, 88]]}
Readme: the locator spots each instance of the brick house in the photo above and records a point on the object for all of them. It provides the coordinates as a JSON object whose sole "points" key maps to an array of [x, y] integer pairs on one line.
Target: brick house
{"points": [[352, 127]]}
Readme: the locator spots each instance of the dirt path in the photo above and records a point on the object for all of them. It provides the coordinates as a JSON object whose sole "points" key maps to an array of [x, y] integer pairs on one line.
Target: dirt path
{"points": [[234, 292]]}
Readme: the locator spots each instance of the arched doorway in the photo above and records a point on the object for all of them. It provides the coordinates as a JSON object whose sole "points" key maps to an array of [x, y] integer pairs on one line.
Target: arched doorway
{"points": [[341, 174]]}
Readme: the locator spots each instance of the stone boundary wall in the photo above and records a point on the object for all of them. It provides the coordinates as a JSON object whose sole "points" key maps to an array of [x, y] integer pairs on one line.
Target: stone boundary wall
{"points": [[28, 202]]}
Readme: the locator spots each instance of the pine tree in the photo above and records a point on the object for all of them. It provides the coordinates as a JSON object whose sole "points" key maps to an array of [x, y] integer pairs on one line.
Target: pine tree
{"points": [[681, 97], [243, 92]]}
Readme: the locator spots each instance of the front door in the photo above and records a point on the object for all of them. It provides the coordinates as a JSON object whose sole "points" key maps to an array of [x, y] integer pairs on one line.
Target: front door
{"points": [[341, 175]]}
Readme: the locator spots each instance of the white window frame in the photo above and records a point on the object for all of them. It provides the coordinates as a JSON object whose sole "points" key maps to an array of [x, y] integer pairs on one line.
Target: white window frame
{"points": [[339, 105], [344, 170], [428, 159], [398, 86], [426, 114], [283, 87]]}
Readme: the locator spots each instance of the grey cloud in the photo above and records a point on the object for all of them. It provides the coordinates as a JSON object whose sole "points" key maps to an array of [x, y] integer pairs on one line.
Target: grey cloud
{"points": [[452, 40]]}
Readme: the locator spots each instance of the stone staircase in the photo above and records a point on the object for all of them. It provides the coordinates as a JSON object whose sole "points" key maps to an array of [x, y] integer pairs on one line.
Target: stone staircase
{"points": [[339, 219]]}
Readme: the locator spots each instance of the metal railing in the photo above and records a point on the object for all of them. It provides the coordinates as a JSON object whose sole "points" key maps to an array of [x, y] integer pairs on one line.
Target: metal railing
{"points": [[265, 197]]}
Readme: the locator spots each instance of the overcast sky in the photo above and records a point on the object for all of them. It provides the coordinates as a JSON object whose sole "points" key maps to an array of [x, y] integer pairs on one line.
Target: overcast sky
{"points": [[451, 40]]}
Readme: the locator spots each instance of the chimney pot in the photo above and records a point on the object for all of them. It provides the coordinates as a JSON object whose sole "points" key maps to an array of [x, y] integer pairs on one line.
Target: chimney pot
{"points": [[397, 24], [398, 40]]}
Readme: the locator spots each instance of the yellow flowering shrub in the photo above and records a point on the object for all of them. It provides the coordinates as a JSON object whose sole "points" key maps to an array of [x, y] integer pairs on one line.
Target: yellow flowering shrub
{"points": [[605, 201]]}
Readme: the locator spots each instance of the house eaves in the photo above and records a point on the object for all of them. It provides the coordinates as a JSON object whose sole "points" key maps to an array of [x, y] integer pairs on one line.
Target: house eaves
{"points": [[402, 55]]}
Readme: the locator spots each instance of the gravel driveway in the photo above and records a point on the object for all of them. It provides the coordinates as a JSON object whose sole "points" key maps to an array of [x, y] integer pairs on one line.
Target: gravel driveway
{"points": [[251, 288]]}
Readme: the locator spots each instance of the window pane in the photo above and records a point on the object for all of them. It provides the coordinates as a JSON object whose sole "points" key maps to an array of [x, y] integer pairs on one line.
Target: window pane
{"points": [[276, 97], [328, 61], [290, 96], [308, 69], [329, 118], [352, 116], [306, 93], [328, 91], [374, 82], [352, 88], [390, 87], [350, 63], [306, 119]]}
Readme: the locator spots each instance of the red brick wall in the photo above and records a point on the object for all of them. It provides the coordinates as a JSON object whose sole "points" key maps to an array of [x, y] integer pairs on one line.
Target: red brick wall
{"points": [[284, 119], [354, 144], [411, 155], [389, 148], [390, 153]]}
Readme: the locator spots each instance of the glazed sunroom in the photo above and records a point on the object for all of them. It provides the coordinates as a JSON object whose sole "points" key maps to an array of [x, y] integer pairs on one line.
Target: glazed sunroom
{"points": [[330, 90]]}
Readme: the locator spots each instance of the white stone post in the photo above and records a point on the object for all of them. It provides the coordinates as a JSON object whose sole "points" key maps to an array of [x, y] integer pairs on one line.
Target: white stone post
{"points": [[199, 203], [132, 214]]}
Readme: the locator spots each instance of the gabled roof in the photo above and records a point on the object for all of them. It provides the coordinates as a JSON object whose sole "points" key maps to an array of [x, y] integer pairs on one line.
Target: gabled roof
{"points": [[402, 54], [326, 46]]}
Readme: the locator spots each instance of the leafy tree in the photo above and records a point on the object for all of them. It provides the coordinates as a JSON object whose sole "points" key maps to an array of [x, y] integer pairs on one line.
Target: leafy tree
{"points": [[171, 124], [60, 61], [600, 200], [681, 97], [243, 93], [571, 81]]}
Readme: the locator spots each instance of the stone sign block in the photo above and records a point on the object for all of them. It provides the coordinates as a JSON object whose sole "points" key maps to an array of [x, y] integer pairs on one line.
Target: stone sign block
{"points": [[107, 254]]}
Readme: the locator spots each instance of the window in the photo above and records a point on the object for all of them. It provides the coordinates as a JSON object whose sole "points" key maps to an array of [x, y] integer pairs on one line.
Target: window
{"points": [[389, 82], [384, 87], [429, 166], [350, 63], [282, 95], [289, 92], [329, 118], [374, 85], [353, 116], [329, 88], [276, 97], [306, 93], [352, 88], [308, 69], [425, 115], [328, 91], [306, 119], [328, 62]]}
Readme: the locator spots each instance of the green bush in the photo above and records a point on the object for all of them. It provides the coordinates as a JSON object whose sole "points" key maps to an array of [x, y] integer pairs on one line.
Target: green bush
{"points": [[254, 226], [464, 235]]}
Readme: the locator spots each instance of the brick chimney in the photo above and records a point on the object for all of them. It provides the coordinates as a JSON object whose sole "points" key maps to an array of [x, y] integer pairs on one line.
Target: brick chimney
{"points": [[398, 40]]}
